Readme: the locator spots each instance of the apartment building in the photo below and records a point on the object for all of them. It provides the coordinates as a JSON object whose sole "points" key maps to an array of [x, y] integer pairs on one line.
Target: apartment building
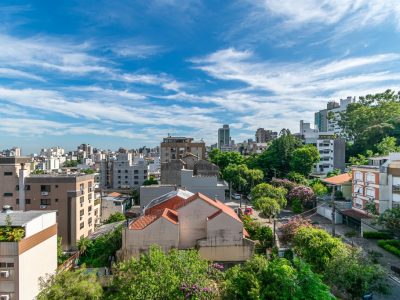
{"points": [[328, 119], [224, 137], [24, 261], [178, 147], [113, 203], [332, 153], [71, 195], [330, 147], [129, 172], [11, 169], [265, 136], [378, 183]]}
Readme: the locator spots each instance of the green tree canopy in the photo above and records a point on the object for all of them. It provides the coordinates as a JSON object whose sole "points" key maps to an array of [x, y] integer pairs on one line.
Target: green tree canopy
{"points": [[269, 207], [387, 145], [115, 217], [150, 181], [180, 274], [391, 220], [303, 159], [223, 159], [241, 177], [73, 285], [269, 191], [276, 159]]}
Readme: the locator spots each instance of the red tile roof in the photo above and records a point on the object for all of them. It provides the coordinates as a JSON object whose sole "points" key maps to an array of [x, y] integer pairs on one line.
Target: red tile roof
{"points": [[114, 194], [245, 233], [145, 220], [218, 212], [339, 179]]}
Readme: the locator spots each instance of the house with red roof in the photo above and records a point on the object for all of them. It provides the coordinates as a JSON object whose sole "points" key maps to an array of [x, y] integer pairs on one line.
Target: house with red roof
{"points": [[183, 220]]}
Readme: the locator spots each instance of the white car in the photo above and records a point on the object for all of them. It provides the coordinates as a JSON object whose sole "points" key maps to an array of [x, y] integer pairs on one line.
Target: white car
{"points": [[236, 196]]}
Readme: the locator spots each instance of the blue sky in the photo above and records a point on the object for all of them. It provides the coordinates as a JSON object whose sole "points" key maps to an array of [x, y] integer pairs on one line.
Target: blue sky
{"points": [[126, 73]]}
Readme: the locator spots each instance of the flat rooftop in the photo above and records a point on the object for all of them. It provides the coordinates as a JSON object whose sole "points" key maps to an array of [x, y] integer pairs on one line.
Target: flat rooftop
{"points": [[15, 160], [21, 218]]}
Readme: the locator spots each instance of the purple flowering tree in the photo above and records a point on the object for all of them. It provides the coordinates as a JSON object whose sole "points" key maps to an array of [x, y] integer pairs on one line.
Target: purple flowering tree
{"points": [[302, 193]]}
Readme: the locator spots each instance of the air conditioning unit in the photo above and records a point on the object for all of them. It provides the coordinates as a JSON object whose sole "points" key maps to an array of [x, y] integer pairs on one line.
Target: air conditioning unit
{"points": [[4, 274], [45, 193], [4, 297], [43, 206]]}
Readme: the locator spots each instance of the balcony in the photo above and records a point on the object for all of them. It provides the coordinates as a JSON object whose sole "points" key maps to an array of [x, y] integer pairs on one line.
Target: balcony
{"points": [[43, 206], [44, 193], [396, 189]]}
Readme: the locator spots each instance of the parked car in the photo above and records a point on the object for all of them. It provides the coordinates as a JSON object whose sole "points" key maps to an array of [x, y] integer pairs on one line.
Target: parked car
{"points": [[236, 196], [248, 211]]}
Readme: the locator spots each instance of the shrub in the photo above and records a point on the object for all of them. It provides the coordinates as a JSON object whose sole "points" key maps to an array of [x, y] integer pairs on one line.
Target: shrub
{"points": [[297, 207], [377, 235], [393, 246], [319, 188]]}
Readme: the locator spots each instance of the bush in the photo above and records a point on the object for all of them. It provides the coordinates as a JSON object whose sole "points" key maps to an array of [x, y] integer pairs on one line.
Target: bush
{"points": [[379, 235], [297, 207], [319, 188], [303, 193], [393, 246]]}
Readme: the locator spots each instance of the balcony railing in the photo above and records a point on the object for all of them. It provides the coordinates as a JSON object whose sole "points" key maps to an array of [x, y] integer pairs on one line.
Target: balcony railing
{"points": [[396, 188]]}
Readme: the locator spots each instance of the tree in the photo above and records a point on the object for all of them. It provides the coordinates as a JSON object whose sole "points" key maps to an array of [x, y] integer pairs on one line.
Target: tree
{"points": [[290, 229], [369, 120], [115, 217], [156, 275], [335, 172], [387, 145], [61, 257], [275, 161], [83, 244], [79, 284], [360, 159], [267, 190], [241, 178], [354, 275], [275, 279], [269, 207], [71, 163], [285, 183], [319, 188], [223, 159], [317, 247], [303, 193], [297, 178], [150, 181], [303, 159], [391, 220]]}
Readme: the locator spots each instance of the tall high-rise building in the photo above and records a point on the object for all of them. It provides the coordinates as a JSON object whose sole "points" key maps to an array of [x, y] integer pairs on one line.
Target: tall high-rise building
{"points": [[224, 137]]}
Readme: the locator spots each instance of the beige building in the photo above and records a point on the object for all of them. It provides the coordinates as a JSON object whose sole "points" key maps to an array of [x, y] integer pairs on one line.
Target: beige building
{"points": [[178, 147], [71, 195], [23, 262], [184, 220]]}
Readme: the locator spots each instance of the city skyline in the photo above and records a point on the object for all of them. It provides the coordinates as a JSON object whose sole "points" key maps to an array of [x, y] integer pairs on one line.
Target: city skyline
{"points": [[127, 74]]}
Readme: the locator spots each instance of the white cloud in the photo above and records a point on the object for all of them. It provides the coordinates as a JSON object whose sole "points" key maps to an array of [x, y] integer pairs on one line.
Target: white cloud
{"points": [[348, 14], [12, 73]]}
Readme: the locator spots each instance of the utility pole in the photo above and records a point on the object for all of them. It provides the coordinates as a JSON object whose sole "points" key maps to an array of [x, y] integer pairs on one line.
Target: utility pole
{"points": [[333, 210], [274, 239]]}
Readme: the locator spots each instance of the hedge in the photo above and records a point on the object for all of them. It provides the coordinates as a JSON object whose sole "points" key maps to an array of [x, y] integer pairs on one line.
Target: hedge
{"points": [[393, 246], [379, 235]]}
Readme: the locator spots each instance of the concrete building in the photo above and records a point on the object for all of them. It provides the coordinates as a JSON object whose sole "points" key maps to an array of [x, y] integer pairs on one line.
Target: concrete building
{"points": [[332, 153], [330, 147], [183, 220], [224, 137], [13, 152], [52, 152], [378, 182], [114, 202], [328, 119], [178, 147], [128, 173], [265, 136], [72, 196], [23, 262]]}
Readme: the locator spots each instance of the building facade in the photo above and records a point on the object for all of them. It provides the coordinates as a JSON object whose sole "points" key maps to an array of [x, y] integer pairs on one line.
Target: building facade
{"points": [[184, 220], [265, 136], [224, 137], [23, 262], [177, 147]]}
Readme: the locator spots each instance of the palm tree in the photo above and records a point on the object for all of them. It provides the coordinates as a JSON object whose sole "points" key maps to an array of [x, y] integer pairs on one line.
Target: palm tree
{"points": [[83, 245]]}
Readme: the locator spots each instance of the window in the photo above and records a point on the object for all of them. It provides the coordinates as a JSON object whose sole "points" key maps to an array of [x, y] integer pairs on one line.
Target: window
{"points": [[17, 187], [56, 200], [8, 173], [145, 171], [119, 171], [6, 265], [8, 194], [136, 177], [90, 208], [136, 182], [82, 187], [45, 188], [135, 172], [45, 202], [370, 192], [17, 201], [126, 177], [56, 186], [90, 196], [358, 175], [28, 187], [126, 171], [82, 225], [82, 212], [27, 201], [371, 177], [119, 177]]}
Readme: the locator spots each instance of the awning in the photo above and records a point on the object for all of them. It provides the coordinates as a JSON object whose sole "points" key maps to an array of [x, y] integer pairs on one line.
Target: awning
{"points": [[355, 214]]}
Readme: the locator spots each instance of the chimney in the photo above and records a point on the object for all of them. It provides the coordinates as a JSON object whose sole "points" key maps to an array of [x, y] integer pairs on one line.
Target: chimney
{"points": [[22, 187]]}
